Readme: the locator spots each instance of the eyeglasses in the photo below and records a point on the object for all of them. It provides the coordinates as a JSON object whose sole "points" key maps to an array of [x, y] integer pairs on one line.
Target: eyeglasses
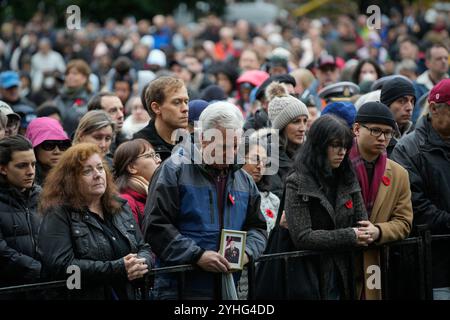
{"points": [[257, 160], [376, 132], [155, 156], [50, 145]]}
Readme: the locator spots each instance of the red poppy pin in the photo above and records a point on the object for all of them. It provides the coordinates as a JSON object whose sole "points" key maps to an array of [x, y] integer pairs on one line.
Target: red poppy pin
{"points": [[231, 198], [349, 204], [269, 213], [385, 180], [78, 102]]}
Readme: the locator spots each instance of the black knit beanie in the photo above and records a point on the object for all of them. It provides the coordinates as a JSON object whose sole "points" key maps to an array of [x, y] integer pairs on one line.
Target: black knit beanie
{"points": [[396, 88], [375, 112]]}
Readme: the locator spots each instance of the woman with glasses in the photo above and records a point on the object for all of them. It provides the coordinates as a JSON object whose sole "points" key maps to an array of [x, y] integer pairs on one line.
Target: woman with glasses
{"points": [[86, 224], [96, 127], [256, 162], [135, 162], [323, 206], [49, 142]]}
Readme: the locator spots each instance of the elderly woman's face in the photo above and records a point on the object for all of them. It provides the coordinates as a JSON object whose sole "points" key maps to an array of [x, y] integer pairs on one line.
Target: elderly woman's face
{"points": [[93, 178], [101, 137]]}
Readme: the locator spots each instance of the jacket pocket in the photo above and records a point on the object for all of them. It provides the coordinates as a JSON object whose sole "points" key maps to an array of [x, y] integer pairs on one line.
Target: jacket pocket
{"points": [[81, 240]]}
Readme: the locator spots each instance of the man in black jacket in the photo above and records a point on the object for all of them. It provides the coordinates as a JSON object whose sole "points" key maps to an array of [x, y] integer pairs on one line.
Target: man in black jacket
{"points": [[19, 221], [426, 155], [166, 100]]}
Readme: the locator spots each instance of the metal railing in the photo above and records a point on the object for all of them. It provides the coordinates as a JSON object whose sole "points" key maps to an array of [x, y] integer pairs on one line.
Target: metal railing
{"points": [[422, 242]]}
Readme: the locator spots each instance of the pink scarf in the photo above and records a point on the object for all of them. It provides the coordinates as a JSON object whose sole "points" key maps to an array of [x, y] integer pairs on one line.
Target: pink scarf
{"points": [[369, 193]]}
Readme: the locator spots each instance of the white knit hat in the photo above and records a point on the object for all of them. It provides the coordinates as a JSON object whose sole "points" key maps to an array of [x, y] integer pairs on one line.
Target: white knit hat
{"points": [[284, 108]]}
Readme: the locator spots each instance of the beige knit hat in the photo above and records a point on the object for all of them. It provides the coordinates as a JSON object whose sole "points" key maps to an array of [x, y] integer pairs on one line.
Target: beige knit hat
{"points": [[283, 108]]}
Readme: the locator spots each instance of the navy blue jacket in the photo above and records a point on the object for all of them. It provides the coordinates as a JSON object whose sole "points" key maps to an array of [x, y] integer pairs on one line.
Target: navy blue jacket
{"points": [[182, 220]]}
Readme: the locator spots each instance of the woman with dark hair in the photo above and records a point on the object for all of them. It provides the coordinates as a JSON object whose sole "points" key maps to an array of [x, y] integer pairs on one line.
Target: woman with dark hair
{"points": [[367, 70], [135, 162], [86, 224], [19, 221], [323, 206]]}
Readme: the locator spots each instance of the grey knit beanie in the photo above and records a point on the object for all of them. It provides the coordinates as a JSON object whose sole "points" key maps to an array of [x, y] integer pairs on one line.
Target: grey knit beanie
{"points": [[285, 108]]}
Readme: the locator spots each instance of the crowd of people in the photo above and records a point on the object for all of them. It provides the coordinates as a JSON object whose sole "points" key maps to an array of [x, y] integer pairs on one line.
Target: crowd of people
{"points": [[129, 146]]}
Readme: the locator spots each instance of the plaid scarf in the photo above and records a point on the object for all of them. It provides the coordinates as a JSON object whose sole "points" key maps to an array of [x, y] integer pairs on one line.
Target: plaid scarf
{"points": [[369, 193]]}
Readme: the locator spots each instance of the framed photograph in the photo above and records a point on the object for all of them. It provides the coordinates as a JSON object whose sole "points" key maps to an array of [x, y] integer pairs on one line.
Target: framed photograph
{"points": [[232, 247]]}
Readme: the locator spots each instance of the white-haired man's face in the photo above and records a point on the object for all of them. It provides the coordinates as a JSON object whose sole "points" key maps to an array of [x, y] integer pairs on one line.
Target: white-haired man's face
{"points": [[220, 147]]}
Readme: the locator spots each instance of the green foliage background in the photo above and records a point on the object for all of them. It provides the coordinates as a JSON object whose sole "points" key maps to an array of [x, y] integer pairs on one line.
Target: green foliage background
{"points": [[96, 10]]}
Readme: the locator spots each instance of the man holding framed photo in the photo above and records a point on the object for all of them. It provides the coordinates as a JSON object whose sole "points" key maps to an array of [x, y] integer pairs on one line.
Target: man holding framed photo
{"points": [[193, 196]]}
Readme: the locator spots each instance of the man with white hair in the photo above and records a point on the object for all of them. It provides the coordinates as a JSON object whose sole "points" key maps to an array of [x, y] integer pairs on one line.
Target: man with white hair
{"points": [[193, 197]]}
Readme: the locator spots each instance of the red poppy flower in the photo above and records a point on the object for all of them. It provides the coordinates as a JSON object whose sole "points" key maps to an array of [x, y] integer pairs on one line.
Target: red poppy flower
{"points": [[231, 198], [269, 213], [386, 180], [78, 102], [349, 204]]}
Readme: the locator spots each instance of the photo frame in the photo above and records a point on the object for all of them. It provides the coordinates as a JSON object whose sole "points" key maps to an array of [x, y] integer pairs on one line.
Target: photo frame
{"points": [[232, 247]]}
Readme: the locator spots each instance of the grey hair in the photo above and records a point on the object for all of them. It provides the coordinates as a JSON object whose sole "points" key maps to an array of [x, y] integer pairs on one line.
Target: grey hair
{"points": [[3, 120], [408, 65], [92, 121], [221, 114]]}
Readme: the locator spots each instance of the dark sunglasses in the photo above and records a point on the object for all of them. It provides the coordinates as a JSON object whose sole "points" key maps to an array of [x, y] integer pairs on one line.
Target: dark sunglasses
{"points": [[50, 145]]}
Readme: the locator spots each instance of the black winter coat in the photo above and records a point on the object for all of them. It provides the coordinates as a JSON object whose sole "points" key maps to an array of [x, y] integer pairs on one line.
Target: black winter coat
{"points": [[19, 224], [150, 134], [73, 237], [427, 158]]}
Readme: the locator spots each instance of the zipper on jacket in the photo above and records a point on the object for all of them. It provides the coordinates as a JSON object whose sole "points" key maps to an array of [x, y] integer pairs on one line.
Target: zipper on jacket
{"points": [[31, 230], [211, 206]]}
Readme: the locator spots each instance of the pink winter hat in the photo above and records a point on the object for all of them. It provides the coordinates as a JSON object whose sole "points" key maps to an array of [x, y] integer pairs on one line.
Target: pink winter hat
{"points": [[43, 129]]}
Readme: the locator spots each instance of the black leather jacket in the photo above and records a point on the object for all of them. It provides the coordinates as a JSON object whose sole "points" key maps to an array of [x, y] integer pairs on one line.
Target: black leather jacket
{"points": [[73, 237]]}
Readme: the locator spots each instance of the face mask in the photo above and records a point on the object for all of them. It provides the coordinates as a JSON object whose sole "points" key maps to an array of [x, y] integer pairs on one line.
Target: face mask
{"points": [[368, 77]]}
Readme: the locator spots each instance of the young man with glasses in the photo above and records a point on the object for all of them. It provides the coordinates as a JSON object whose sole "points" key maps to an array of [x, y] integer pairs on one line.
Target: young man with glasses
{"points": [[384, 184], [19, 221], [49, 142]]}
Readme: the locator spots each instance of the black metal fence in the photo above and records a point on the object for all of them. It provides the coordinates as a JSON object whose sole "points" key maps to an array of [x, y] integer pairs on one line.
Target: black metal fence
{"points": [[421, 247]]}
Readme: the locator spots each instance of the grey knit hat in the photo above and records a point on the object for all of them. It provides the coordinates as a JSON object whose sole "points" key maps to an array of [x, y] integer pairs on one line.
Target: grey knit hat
{"points": [[283, 110]]}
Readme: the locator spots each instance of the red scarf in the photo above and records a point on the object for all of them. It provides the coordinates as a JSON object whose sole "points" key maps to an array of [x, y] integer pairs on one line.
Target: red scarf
{"points": [[369, 193]]}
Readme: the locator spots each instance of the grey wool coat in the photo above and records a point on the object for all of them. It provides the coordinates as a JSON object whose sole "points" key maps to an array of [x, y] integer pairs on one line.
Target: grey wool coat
{"points": [[315, 225]]}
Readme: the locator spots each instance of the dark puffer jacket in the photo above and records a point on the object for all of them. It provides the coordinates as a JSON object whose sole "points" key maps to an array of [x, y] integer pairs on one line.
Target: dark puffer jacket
{"points": [[74, 237], [19, 225]]}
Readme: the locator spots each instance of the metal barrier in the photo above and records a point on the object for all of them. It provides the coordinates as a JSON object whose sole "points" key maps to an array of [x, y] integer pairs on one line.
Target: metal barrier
{"points": [[424, 260]]}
